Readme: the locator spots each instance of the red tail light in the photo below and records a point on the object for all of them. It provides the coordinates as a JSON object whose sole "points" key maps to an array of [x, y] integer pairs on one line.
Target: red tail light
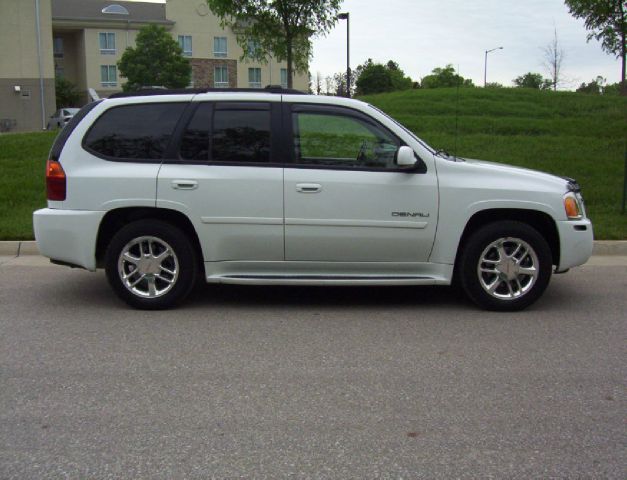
{"points": [[55, 181]]}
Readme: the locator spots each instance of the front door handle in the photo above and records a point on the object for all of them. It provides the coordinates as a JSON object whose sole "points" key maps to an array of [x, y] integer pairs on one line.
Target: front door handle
{"points": [[184, 184], [308, 187]]}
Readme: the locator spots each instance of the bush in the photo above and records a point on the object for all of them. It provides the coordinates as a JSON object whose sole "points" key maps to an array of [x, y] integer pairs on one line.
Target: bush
{"points": [[67, 93]]}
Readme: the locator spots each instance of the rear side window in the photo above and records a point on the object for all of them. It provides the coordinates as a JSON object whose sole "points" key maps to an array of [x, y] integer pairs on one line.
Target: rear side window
{"points": [[228, 132], [140, 131], [64, 134], [241, 136]]}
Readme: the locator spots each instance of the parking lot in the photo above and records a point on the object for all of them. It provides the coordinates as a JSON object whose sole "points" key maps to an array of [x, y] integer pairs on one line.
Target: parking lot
{"points": [[273, 382]]}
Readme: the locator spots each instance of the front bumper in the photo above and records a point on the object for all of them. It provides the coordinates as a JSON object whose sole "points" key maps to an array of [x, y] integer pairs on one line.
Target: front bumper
{"points": [[68, 236], [576, 241]]}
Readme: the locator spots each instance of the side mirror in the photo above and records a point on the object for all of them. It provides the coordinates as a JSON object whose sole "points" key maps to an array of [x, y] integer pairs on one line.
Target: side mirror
{"points": [[405, 157]]}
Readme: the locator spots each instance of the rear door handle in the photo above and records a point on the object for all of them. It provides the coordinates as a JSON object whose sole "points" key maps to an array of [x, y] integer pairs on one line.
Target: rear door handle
{"points": [[184, 184], [308, 187]]}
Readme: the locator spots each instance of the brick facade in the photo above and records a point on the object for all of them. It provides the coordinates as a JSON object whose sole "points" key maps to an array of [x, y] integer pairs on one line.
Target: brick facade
{"points": [[203, 69]]}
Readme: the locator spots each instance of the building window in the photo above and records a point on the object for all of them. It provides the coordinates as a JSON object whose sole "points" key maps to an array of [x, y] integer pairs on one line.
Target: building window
{"points": [[59, 72], [107, 43], [185, 41], [219, 47], [108, 76], [221, 77], [253, 48], [284, 77], [254, 77], [115, 10], [57, 47]]}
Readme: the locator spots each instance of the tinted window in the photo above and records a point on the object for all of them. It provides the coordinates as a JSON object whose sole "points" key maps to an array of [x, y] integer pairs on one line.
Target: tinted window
{"points": [[240, 135], [195, 141], [59, 142], [338, 140], [134, 131]]}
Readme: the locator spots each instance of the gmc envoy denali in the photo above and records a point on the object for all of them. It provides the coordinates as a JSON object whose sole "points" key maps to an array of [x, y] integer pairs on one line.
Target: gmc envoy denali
{"points": [[276, 187]]}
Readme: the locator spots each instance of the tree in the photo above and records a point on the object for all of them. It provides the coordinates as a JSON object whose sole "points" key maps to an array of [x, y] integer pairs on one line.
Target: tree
{"points": [[66, 93], [328, 83], [445, 77], [282, 28], [599, 86], [339, 82], [553, 58], [157, 60], [397, 77], [595, 86], [606, 20], [377, 78], [318, 84], [533, 80]]}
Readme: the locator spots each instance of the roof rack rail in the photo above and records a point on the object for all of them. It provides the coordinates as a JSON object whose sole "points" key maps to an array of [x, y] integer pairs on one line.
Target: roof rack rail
{"points": [[155, 90]]}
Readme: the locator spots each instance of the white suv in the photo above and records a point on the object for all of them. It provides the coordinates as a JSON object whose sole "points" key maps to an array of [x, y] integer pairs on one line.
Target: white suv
{"points": [[274, 187]]}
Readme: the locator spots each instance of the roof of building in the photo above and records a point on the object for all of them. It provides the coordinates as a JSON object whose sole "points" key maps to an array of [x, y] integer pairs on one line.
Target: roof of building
{"points": [[94, 10]]}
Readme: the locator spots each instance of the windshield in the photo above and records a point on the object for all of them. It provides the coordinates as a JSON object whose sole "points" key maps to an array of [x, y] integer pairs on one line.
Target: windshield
{"points": [[405, 129]]}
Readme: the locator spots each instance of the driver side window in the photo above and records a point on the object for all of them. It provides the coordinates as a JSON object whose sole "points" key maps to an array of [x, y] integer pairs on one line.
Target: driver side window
{"points": [[330, 139]]}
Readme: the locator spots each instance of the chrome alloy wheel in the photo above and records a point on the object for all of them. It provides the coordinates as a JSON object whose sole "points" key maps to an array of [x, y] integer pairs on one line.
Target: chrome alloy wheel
{"points": [[508, 268], [148, 267]]}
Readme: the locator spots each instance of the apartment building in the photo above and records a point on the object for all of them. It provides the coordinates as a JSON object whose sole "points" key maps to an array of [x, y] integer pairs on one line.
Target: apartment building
{"points": [[26, 65], [82, 41]]}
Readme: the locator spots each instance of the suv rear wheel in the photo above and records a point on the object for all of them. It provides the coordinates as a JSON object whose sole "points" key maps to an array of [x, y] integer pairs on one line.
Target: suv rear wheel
{"points": [[151, 264], [505, 266]]}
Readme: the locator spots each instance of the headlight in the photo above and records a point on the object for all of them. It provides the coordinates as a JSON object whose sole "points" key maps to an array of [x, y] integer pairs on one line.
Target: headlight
{"points": [[573, 205]]}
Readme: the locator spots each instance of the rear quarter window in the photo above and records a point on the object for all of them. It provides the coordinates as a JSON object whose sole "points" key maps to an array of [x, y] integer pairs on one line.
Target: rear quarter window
{"points": [[141, 131], [64, 134]]}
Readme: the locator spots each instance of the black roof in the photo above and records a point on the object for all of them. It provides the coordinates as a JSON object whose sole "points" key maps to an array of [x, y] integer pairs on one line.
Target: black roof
{"points": [[145, 92]]}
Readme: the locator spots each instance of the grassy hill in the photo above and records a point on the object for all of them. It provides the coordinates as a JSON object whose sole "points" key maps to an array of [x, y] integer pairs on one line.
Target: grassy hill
{"points": [[22, 182], [565, 133]]}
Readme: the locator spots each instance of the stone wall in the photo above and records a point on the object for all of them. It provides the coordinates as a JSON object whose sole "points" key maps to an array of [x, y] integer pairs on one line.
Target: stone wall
{"points": [[203, 69]]}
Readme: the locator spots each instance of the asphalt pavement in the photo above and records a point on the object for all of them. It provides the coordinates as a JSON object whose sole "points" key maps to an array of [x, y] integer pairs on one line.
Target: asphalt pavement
{"points": [[284, 382]]}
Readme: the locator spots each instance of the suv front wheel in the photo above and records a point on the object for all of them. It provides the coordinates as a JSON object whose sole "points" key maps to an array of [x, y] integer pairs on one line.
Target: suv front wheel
{"points": [[505, 266], [151, 264]]}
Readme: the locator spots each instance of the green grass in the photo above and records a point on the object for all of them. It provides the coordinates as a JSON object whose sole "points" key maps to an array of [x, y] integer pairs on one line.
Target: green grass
{"points": [[565, 133], [22, 182]]}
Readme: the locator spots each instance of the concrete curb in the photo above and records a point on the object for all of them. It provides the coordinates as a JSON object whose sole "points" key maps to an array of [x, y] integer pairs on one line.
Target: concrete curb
{"points": [[22, 248], [10, 248], [610, 247]]}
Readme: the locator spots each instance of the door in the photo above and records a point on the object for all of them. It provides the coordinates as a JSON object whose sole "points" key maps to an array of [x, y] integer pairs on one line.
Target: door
{"points": [[346, 200], [227, 182]]}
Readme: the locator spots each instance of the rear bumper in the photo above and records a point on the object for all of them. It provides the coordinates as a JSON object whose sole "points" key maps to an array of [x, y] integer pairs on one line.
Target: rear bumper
{"points": [[68, 236], [576, 242]]}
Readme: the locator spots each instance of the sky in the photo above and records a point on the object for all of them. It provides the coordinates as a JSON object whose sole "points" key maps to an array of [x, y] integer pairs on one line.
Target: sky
{"points": [[424, 34], [421, 35]]}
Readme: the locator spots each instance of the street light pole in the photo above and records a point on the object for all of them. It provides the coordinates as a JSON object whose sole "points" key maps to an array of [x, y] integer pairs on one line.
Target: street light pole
{"points": [[346, 16], [485, 66]]}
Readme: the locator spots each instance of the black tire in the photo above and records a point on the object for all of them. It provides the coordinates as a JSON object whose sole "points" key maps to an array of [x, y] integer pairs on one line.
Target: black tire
{"points": [[481, 245], [158, 237]]}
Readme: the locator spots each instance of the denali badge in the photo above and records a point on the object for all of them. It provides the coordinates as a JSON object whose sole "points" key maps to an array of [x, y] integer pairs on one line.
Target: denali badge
{"points": [[410, 214]]}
